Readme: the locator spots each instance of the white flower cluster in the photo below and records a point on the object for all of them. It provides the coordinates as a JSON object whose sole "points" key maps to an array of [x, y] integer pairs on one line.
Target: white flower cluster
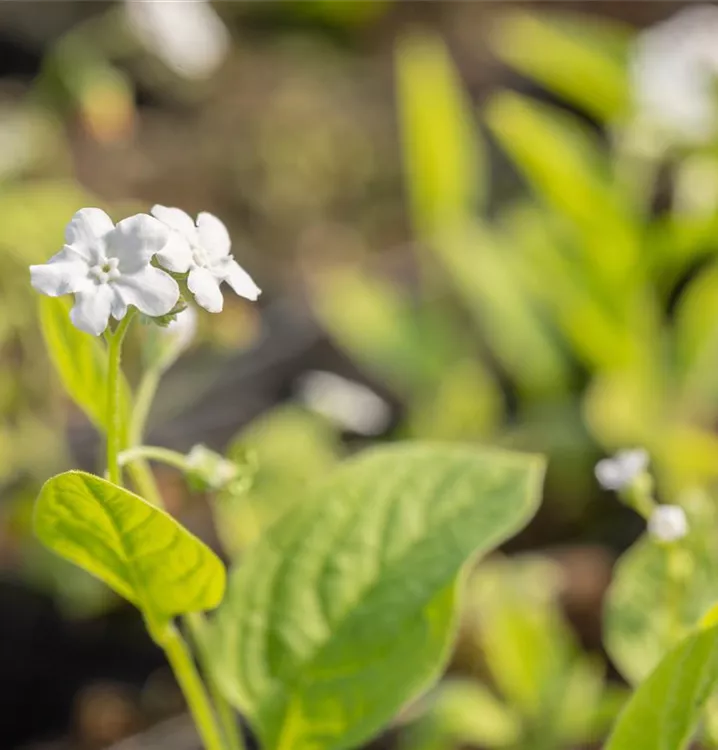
{"points": [[620, 471], [109, 267]]}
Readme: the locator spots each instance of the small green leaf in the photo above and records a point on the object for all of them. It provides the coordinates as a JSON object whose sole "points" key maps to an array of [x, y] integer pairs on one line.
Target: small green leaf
{"points": [[442, 155], [345, 608], [81, 362], [665, 710], [135, 548]]}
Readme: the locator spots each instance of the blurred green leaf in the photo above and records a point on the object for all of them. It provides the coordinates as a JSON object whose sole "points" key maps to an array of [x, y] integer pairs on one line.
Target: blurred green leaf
{"points": [[466, 712], [347, 14], [81, 362], [482, 272], [443, 158], [370, 319], [466, 404], [345, 608], [526, 644], [583, 59], [658, 593], [292, 448], [665, 710], [696, 345], [33, 216], [566, 167], [139, 551]]}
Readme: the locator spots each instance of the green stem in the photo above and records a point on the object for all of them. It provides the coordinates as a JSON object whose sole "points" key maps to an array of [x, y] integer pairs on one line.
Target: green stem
{"points": [[114, 426], [197, 625], [154, 453], [193, 689], [143, 402]]}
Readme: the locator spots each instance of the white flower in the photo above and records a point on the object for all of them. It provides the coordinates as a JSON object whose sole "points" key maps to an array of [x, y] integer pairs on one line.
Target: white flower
{"points": [[668, 523], [203, 250], [107, 268], [673, 73], [181, 331], [348, 404], [189, 37], [620, 471]]}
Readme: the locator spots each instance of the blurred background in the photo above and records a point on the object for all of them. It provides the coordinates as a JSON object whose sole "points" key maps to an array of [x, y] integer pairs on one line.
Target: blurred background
{"points": [[493, 222]]}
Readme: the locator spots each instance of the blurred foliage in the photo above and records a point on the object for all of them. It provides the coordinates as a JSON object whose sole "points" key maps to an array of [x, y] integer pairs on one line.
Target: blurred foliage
{"points": [[567, 303], [536, 688]]}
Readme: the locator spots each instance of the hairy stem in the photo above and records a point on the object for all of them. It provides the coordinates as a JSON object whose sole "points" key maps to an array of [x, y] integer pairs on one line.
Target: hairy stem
{"points": [[185, 671], [197, 625], [154, 453], [114, 426]]}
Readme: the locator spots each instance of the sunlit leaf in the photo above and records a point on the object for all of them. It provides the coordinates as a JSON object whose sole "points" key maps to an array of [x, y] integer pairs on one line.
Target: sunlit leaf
{"points": [[583, 60], [345, 609], [135, 548], [442, 155], [565, 166], [665, 710], [81, 362]]}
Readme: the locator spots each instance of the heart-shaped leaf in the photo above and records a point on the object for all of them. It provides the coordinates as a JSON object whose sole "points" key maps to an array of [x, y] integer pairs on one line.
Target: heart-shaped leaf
{"points": [[344, 610], [135, 548]]}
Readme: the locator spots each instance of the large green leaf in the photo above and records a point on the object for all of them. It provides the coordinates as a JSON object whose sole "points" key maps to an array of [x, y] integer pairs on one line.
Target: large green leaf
{"points": [[665, 710], [442, 155], [581, 59], [345, 609], [135, 548], [659, 593], [81, 362]]}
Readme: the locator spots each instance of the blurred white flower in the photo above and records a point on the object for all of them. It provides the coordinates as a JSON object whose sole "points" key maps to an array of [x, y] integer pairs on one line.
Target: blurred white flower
{"points": [[107, 268], [348, 404], [621, 470], [668, 523], [181, 331], [189, 37], [203, 250], [673, 73]]}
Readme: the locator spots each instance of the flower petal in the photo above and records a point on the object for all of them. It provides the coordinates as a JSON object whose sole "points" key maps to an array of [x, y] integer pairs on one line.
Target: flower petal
{"points": [[177, 219], [205, 288], [86, 233], [64, 273], [135, 240], [91, 312], [150, 290], [241, 281], [177, 254], [213, 236]]}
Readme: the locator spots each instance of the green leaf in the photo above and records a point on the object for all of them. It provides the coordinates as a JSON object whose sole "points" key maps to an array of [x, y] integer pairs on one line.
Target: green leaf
{"points": [[565, 165], [345, 608], [372, 320], [135, 548], [81, 362], [665, 710], [483, 272], [442, 155], [659, 593], [581, 59], [468, 713]]}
